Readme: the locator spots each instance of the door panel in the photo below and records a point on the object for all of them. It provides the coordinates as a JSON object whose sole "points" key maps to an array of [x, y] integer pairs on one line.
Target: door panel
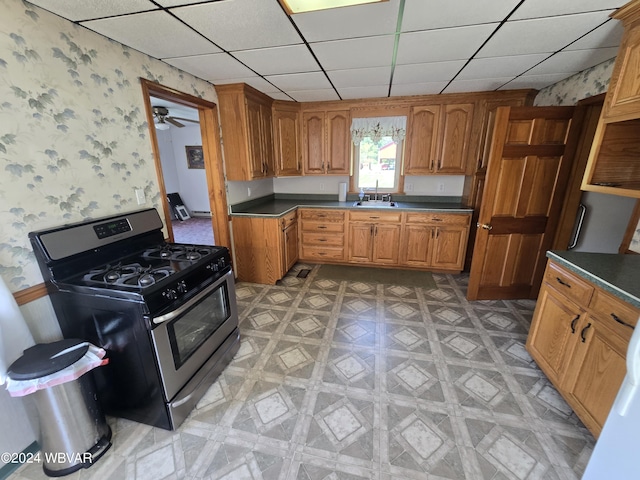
{"points": [[526, 176]]}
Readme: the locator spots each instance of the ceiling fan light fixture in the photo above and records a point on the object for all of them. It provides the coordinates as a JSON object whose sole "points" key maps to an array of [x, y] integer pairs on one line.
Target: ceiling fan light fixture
{"points": [[161, 125], [302, 6]]}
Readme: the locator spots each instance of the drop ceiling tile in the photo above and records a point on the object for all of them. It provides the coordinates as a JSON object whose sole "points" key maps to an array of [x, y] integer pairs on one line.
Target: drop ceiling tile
{"points": [[89, 9], [494, 67], [427, 72], [539, 35], [349, 22], [607, 35], [442, 45], [360, 77], [573, 61], [278, 60], [256, 82], [427, 15], [549, 8], [534, 81], [314, 95], [355, 53], [216, 67], [178, 3], [476, 85], [279, 96], [147, 32], [241, 24], [429, 88], [300, 81], [372, 91]]}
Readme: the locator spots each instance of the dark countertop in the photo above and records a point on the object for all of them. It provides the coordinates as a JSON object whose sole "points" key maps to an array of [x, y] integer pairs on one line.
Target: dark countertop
{"points": [[273, 206], [616, 273]]}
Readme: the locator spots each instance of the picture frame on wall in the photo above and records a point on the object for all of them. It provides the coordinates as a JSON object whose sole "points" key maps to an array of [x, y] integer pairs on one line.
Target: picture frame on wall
{"points": [[195, 157]]}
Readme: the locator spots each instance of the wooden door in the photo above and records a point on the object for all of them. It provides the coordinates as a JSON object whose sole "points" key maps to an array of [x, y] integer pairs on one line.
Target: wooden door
{"points": [[287, 142], [423, 133], [449, 245], [456, 135], [526, 179], [314, 142], [386, 244], [338, 143], [255, 141]]}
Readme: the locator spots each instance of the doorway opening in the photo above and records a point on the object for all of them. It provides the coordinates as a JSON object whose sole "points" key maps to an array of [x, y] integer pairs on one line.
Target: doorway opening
{"points": [[185, 140]]}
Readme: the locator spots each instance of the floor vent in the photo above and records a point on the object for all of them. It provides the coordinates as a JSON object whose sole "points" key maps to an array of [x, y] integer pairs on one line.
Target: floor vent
{"points": [[303, 273]]}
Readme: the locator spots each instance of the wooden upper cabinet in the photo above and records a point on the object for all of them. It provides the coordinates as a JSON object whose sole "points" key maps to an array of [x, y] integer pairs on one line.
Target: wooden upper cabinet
{"points": [[439, 139], [326, 142], [246, 122], [286, 139], [613, 165]]}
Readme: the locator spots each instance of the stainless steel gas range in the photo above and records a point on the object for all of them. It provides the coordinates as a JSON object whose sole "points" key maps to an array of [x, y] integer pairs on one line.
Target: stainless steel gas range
{"points": [[165, 313]]}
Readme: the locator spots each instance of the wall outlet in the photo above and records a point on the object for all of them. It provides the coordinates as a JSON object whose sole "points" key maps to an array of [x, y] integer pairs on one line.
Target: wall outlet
{"points": [[441, 187], [140, 197], [322, 187], [248, 191], [409, 187]]}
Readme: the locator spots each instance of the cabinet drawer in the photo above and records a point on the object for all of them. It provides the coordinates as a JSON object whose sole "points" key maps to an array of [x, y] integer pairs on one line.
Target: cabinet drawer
{"points": [[310, 252], [330, 239], [437, 218], [322, 227], [568, 284], [288, 219], [375, 217], [608, 307], [322, 215]]}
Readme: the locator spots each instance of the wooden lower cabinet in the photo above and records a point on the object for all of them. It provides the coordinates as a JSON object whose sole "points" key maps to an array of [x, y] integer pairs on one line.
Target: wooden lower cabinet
{"points": [[374, 237], [265, 247], [436, 241], [322, 235], [579, 345]]}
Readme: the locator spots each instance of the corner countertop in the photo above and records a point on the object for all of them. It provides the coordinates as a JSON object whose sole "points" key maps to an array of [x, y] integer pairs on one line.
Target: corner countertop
{"points": [[616, 273], [277, 205]]}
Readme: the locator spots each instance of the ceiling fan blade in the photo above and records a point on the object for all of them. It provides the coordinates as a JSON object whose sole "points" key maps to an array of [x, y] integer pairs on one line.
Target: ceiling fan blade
{"points": [[174, 122], [186, 119]]}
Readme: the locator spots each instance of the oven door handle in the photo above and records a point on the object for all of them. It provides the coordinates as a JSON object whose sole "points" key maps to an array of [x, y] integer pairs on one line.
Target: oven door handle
{"points": [[187, 305]]}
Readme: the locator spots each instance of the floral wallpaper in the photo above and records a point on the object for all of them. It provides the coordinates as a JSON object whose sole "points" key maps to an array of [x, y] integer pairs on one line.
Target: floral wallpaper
{"points": [[587, 83], [74, 141]]}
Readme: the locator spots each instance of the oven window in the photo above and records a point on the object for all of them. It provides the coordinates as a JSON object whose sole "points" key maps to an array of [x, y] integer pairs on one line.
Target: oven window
{"points": [[192, 329]]}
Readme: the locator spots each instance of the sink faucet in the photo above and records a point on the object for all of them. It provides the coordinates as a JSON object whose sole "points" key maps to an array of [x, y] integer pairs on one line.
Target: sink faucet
{"points": [[376, 197]]}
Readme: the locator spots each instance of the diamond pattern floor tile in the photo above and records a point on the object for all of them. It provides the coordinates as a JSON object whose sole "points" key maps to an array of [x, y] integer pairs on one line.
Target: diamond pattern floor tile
{"points": [[352, 381]]}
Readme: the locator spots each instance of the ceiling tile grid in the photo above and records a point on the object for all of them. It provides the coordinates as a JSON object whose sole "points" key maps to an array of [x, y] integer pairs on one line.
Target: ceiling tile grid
{"points": [[391, 48]]}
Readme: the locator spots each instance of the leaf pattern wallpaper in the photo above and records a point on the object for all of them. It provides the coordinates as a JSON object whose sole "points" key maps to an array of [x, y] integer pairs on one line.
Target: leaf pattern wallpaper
{"points": [[74, 140]]}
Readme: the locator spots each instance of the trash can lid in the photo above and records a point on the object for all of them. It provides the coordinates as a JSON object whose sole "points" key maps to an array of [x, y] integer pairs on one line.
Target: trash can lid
{"points": [[46, 358]]}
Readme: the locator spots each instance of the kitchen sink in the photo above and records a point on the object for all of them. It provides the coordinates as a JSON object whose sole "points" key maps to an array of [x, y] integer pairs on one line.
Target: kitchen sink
{"points": [[375, 204]]}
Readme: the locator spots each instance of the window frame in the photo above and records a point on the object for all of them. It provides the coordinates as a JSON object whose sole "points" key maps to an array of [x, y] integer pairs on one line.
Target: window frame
{"points": [[355, 169]]}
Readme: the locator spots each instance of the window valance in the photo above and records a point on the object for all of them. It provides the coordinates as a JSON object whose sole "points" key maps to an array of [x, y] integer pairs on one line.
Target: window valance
{"points": [[378, 127]]}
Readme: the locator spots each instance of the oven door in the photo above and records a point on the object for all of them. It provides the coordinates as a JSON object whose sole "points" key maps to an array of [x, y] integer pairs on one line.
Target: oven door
{"points": [[186, 337]]}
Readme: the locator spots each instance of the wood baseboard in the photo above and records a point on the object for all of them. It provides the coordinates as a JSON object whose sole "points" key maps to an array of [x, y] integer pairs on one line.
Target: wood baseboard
{"points": [[30, 294]]}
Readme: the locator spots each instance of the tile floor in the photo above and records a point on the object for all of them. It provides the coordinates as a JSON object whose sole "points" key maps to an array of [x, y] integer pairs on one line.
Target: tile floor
{"points": [[365, 381]]}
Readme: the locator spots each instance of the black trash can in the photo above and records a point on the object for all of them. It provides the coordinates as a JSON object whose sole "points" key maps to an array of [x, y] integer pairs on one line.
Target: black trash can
{"points": [[73, 430]]}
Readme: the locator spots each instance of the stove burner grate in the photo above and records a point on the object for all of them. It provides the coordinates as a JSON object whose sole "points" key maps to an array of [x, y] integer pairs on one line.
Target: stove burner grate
{"points": [[179, 252], [131, 274]]}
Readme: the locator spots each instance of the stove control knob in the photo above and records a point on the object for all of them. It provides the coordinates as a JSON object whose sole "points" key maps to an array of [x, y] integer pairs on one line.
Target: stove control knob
{"points": [[221, 263], [182, 287], [170, 294]]}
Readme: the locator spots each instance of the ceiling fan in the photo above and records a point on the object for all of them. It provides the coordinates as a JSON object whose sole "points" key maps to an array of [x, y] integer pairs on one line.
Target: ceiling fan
{"points": [[162, 119]]}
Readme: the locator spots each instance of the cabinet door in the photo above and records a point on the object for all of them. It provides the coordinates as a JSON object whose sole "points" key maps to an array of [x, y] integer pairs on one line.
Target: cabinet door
{"points": [[314, 142], [266, 134], [386, 244], [449, 244], [360, 242], [623, 97], [338, 143], [416, 245], [424, 123], [454, 141], [554, 329], [287, 143], [290, 245], [255, 140], [597, 369]]}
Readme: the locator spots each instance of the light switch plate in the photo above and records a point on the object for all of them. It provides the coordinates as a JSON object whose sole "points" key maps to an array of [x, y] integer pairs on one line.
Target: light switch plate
{"points": [[140, 197]]}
